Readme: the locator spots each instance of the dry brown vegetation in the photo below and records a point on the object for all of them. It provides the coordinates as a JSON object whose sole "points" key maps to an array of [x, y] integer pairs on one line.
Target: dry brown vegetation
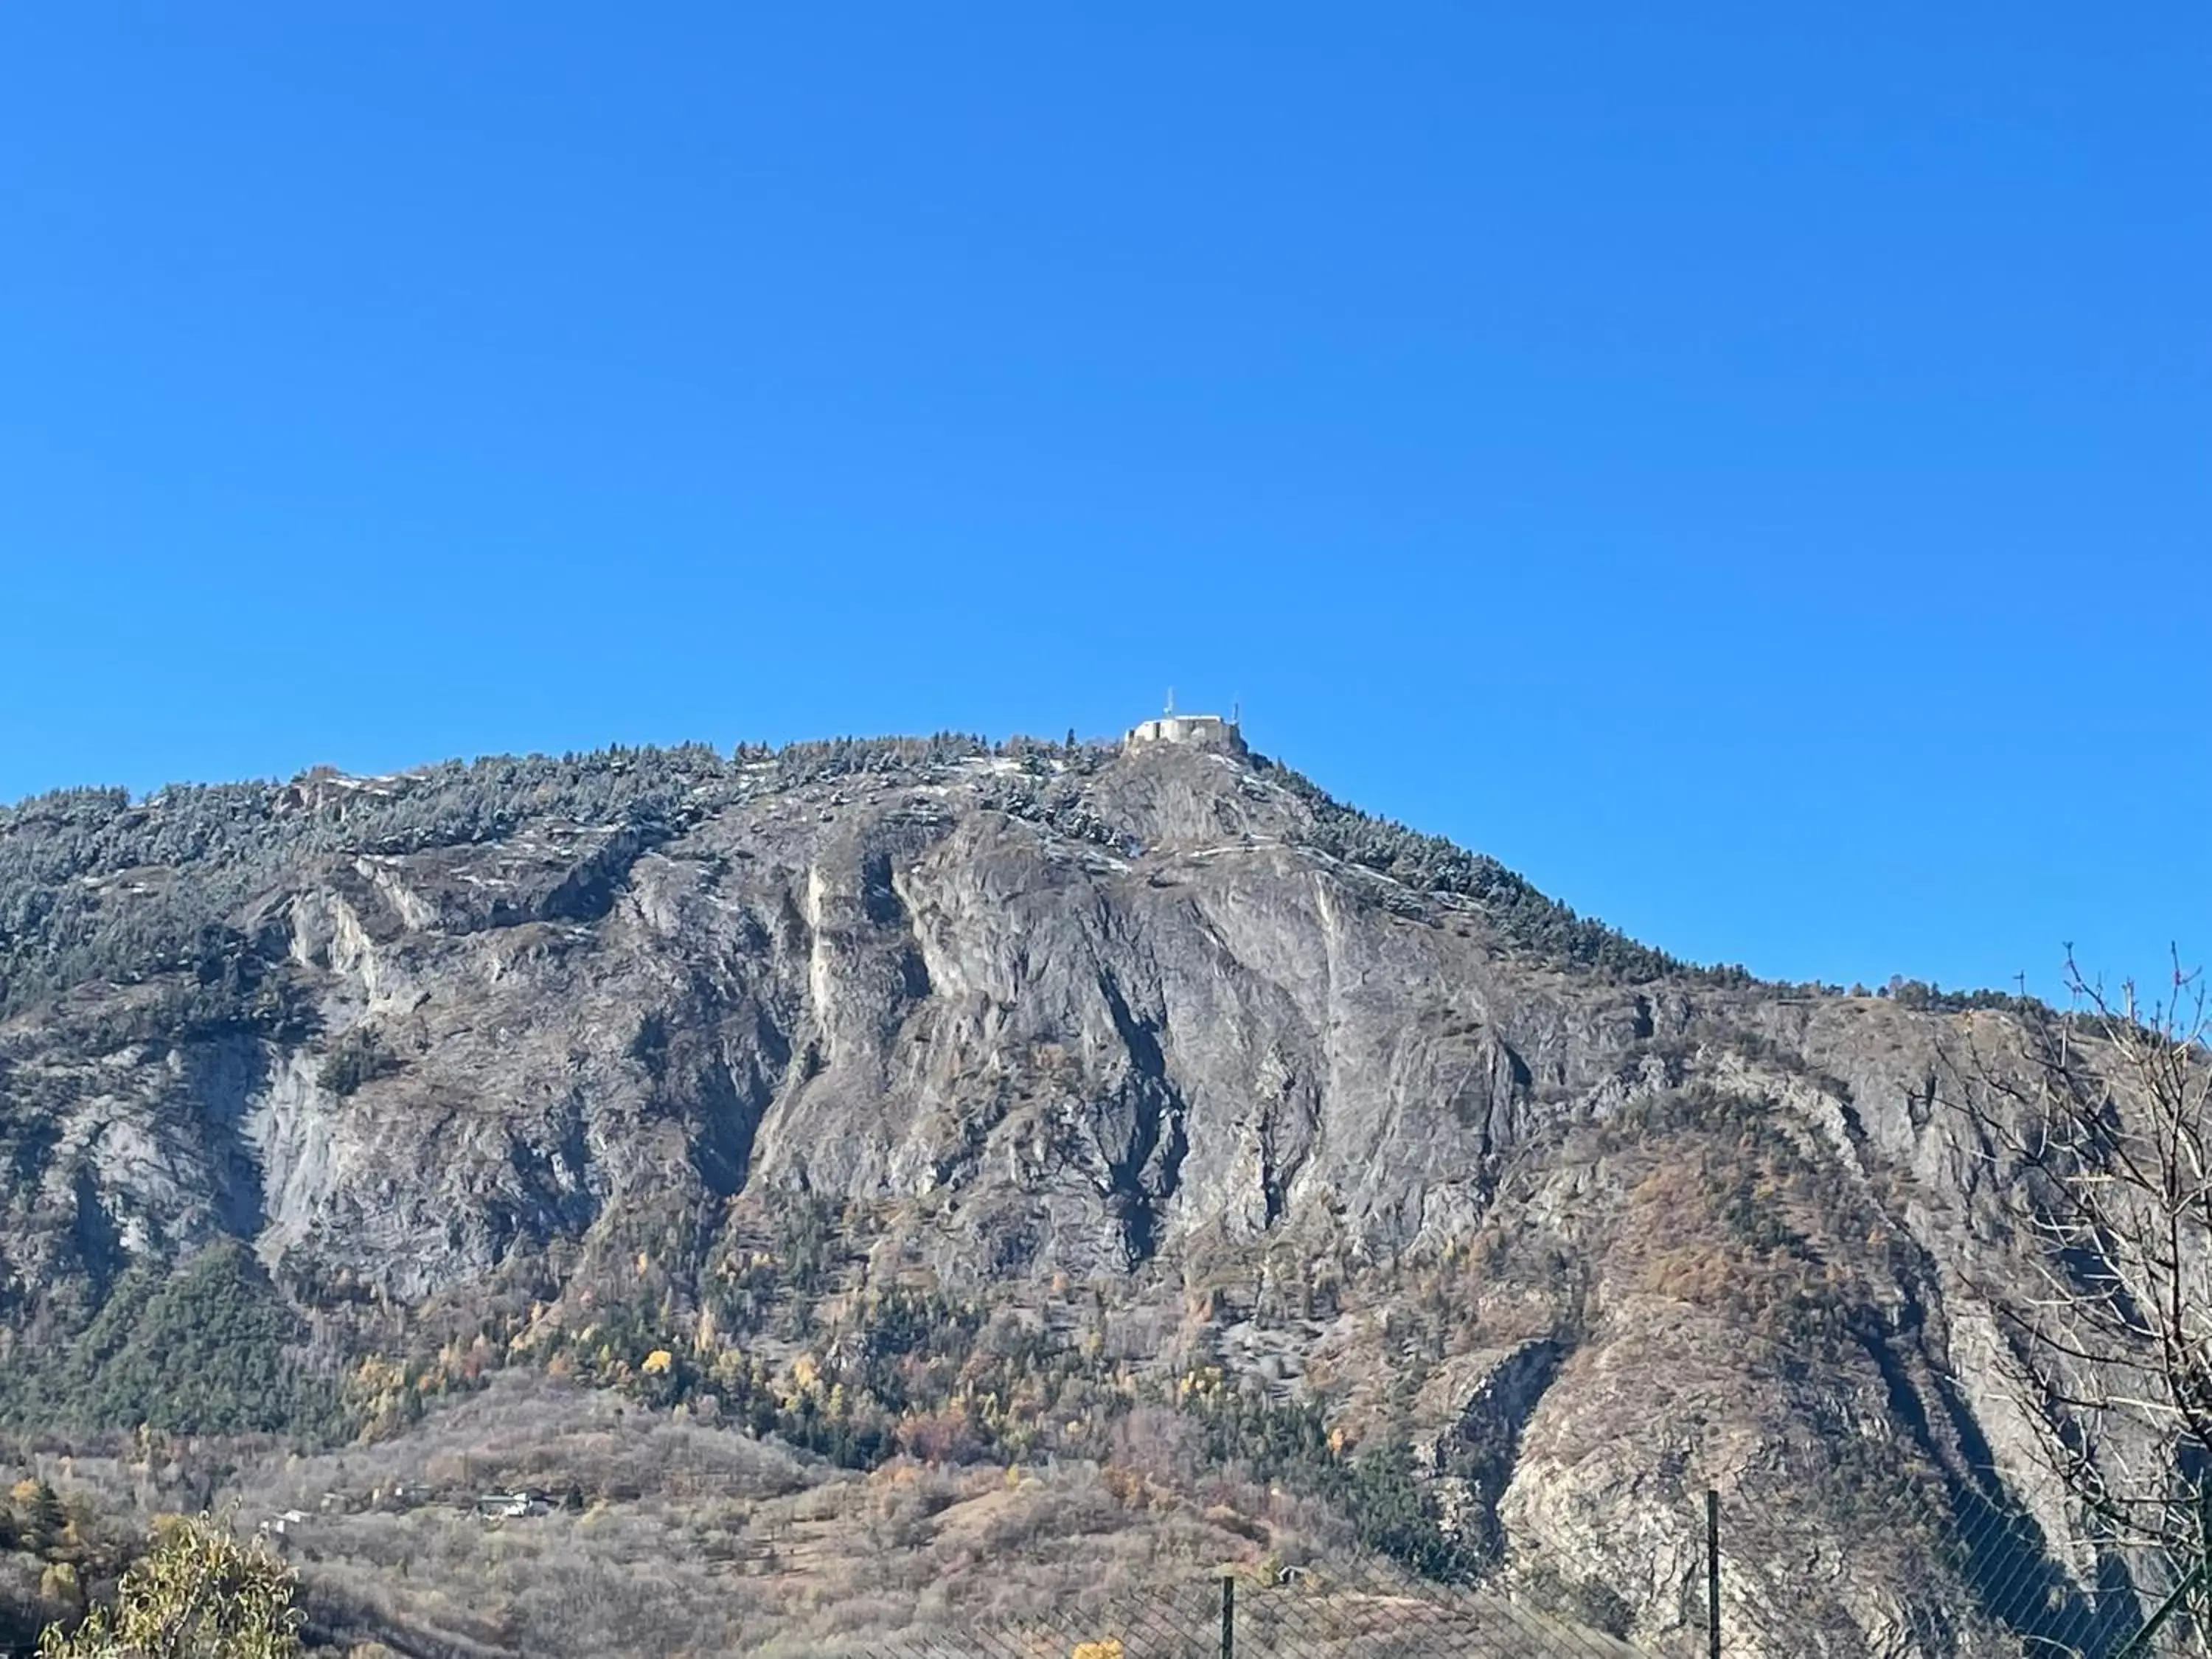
{"points": [[697, 1539]]}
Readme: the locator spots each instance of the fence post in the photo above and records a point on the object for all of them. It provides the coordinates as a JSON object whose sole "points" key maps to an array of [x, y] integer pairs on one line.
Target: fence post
{"points": [[1228, 1618], [1712, 1573]]}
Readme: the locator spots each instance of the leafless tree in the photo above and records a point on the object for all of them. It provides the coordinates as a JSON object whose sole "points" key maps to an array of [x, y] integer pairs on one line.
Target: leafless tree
{"points": [[2098, 1127]]}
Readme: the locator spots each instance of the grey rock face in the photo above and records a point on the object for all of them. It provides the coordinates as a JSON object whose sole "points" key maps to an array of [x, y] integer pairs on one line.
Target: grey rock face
{"points": [[1147, 1027]]}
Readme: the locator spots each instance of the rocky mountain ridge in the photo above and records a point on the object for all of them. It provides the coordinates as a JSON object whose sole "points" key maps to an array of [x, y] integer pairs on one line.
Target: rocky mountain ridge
{"points": [[956, 1100]]}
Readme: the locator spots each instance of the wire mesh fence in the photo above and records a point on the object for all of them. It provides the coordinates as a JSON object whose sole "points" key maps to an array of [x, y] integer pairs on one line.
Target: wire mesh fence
{"points": [[1774, 1570], [1989, 1587], [1992, 1587]]}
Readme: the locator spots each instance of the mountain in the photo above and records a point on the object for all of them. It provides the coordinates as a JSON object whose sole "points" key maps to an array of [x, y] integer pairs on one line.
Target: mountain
{"points": [[944, 1105]]}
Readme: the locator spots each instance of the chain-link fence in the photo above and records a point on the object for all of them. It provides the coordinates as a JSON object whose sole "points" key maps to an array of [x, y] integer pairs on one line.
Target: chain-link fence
{"points": [[1748, 1585], [1987, 1588]]}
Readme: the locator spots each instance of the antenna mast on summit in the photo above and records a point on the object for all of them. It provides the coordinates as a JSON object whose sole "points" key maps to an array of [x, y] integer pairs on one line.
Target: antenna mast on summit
{"points": [[1171, 708]]}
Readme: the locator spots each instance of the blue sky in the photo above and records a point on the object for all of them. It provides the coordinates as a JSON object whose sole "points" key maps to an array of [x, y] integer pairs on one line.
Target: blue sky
{"points": [[1748, 467]]}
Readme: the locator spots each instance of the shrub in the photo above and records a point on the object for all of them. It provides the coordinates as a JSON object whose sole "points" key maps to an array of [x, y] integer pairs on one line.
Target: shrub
{"points": [[360, 1057], [196, 1594]]}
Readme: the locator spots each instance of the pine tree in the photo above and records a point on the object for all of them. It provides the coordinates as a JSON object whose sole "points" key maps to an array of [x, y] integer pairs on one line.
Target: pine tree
{"points": [[43, 1519]]}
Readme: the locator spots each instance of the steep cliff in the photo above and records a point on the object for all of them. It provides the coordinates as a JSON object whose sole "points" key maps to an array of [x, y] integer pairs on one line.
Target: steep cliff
{"points": [[962, 1099]]}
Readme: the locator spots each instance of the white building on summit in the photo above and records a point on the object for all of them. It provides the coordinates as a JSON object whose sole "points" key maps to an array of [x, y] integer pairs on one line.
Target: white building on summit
{"points": [[1203, 731]]}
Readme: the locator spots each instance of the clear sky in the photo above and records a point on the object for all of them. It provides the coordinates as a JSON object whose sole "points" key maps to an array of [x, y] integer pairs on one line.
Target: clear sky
{"points": [[1747, 466]]}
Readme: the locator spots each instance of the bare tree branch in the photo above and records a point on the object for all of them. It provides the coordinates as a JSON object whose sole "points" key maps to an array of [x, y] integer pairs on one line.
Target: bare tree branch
{"points": [[2096, 1136]]}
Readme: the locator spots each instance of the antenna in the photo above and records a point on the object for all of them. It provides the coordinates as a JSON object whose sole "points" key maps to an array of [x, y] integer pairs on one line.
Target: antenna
{"points": [[1170, 709], [1235, 712]]}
